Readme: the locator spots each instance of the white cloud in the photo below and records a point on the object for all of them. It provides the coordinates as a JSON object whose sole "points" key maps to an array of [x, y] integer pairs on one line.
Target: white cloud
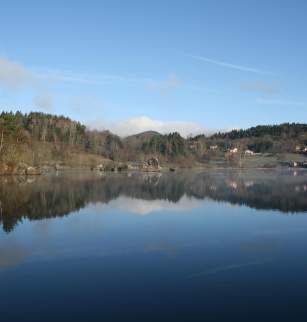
{"points": [[264, 86], [44, 101], [247, 69], [81, 103], [145, 207], [143, 123], [14, 75]]}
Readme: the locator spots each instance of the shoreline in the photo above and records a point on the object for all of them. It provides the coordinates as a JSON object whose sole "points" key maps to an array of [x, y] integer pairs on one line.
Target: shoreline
{"points": [[66, 168]]}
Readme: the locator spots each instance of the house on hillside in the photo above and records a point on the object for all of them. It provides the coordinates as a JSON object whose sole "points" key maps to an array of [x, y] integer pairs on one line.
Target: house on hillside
{"points": [[305, 148], [228, 154], [233, 150], [212, 147], [293, 164], [298, 147], [250, 152]]}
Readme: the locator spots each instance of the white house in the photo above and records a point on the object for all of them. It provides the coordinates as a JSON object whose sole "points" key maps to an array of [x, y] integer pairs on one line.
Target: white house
{"points": [[212, 147], [233, 150]]}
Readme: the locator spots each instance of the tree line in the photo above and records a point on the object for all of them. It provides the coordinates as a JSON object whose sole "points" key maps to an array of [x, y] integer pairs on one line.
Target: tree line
{"points": [[36, 138], [288, 130], [172, 144]]}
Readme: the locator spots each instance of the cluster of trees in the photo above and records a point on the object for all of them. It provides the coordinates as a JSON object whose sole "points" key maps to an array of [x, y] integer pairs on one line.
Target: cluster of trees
{"points": [[37, 137], [261, 146], [13, 140], [260, 139], [285, 130], [172, 145], [34, 137], [198, 137], [47, 127]]}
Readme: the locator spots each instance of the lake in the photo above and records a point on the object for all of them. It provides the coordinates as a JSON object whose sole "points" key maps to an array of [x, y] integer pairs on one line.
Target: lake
{"points": [[183, 246]]}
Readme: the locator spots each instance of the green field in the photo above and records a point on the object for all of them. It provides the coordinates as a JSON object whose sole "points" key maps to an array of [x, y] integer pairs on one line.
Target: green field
{"points": [[255, 161]]}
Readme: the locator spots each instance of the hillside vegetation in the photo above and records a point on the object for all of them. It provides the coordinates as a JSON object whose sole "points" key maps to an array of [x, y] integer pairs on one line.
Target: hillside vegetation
{"points": [[278, 141], [39, 139]]}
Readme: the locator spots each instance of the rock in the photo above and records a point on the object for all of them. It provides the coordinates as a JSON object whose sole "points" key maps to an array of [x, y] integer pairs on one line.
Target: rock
{"points": [[152, 166], [22, 166], [111, 167], [124, 167], [99, 167], [32, 171], [118, 167], [20, 171]]}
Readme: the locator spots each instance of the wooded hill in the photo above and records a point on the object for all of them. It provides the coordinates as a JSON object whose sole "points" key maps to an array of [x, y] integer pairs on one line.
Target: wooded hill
{"points": [[274, 139], [44, 139], [285, 130], [39, 139]]}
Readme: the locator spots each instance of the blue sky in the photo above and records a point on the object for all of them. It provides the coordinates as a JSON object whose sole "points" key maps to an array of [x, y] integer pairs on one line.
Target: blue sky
{"points": [[129, 66]]}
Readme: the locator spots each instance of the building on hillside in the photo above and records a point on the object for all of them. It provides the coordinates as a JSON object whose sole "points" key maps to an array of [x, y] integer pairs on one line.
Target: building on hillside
{"points": [[212, 147], [298, 147], [192, 147], [293, 164], [233, 150], [305, 148], [228, 154], [250, 152]]}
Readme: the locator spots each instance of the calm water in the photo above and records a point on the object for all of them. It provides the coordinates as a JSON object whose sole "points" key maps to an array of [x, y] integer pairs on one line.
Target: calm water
{"points": [[186, 246]]}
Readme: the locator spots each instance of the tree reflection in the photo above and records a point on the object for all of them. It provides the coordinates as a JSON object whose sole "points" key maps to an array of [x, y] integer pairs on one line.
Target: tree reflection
{"points": [[57, 194]]}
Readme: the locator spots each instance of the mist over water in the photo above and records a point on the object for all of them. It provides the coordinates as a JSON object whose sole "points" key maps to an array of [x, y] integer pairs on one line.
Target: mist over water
{"points": [[190, 245]]}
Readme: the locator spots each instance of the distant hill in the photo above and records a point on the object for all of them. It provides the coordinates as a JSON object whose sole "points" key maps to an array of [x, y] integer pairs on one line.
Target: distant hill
{"points": [[147, 133]]}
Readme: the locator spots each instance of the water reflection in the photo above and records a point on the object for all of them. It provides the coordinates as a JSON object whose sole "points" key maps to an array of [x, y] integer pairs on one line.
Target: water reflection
{"points": [[60, 193], [171, 246]]}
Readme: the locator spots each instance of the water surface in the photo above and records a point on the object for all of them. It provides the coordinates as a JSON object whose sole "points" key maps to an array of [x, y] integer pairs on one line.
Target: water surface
{"points": [[186, 246]]}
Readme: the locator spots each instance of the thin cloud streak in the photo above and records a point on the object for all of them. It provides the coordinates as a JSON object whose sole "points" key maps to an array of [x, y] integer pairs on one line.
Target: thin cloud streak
{"points": [[247, 69], [278, 102], [58, 76]]}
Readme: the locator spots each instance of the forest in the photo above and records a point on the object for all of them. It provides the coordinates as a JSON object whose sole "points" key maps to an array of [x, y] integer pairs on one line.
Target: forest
{"points": [[40, 139], [43, 139]]}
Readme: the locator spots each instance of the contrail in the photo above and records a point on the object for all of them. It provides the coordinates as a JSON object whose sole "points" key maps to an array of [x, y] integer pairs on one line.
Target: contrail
{"points": [[247, 69]]}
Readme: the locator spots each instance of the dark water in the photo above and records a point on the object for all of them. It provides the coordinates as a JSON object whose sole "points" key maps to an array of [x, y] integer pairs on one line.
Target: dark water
{"points": [[186, 246]]}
